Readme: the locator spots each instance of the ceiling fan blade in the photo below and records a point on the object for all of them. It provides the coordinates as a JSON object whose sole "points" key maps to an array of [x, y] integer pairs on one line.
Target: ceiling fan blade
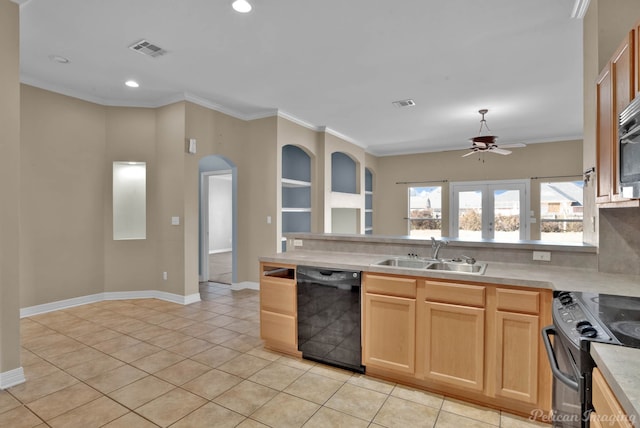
{"points": [[512, 146], [500, 151], [468, 154]]}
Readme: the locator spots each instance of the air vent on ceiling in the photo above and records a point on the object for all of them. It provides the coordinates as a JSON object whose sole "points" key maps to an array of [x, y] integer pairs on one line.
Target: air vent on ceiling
{"points": [[404, 103], [147, 48]]}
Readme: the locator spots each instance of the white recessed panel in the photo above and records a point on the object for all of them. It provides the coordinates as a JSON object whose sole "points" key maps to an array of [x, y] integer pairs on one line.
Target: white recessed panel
{"points": [[129, 200]]}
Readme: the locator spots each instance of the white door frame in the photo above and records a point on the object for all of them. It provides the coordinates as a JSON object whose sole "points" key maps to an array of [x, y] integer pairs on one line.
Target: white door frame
{"points": [[204, 221]]}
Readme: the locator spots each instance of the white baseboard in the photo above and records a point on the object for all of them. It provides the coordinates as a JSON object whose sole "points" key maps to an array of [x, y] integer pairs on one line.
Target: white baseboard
{"points": [[245, 284], [223, 250], [12, 378], [114, 295]]}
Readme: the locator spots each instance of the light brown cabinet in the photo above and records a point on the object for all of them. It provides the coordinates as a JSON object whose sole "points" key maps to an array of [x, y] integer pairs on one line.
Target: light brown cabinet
{"points": [[608, 412], [278, 307], [517, 344], [389, 314], [453, 351], [615, 88]]}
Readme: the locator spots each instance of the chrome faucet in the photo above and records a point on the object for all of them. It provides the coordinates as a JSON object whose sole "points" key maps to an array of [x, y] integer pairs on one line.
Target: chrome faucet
{"points": [[436, 245]]}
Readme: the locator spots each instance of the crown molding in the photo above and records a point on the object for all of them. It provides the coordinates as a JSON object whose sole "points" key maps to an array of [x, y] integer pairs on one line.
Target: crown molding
{"points": [[21, 2]]}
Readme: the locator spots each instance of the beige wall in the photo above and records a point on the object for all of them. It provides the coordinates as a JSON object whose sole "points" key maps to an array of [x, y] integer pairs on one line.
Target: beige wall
{"points": [[535, 160], [9, 187]]}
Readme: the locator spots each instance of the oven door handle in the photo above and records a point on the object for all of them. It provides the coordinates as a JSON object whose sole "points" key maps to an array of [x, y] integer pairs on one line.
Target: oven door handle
{"points": [[553, 361]]}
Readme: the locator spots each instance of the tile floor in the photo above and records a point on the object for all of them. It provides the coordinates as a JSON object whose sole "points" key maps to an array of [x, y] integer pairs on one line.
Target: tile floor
{"points": [[220, 267], [148, 363]]}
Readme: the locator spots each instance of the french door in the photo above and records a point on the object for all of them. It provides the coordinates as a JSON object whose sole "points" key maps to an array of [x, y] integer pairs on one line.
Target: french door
{"points": [[495, 210]]}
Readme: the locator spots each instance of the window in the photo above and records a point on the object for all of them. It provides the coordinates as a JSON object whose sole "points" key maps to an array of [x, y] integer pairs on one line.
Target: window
{"points": [[489, 210], [561, 211], [425, 211]]}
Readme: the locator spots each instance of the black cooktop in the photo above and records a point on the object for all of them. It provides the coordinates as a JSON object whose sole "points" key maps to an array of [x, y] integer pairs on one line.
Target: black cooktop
{"points": [[620, 315]]}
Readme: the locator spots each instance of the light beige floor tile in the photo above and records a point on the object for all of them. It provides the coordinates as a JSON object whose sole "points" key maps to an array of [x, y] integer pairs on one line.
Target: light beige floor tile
{"points": [[182, 372], [135, 352], [218, 336], [244, 365], [7, 402], [64, 361], [313, 387], [130, 326], [170, 407], [451, 420], [178, 323], [296, 362], [168, 340], [93, 414], [111, 346], [191, 347], [41, 342], [512, 421], [276, 376], [98, 336], [28, 357], [62, 347], [221, 320], [212, 384], [418, 396], [326, 417], [38, 369], [399, 413], [242, 343], [265, 354], [246, 397], [356, 401], [216, 356], [371, 383], [331, 372], [159, 318], [210, 415], [130, 420], [52, 405], [95, 367], [158, 361], [116, 378], [250, 423], [19, 417], [285, 411], [32, 390], [141, 392], [149, 332], [472, 411]]}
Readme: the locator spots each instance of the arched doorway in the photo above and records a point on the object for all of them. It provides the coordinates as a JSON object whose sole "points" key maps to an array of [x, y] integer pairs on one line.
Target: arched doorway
{"points": [[218, 214]]}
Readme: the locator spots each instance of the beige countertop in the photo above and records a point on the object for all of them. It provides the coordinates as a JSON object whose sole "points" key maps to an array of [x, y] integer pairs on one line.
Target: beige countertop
{"points": [[524, 275], [619, 365]]}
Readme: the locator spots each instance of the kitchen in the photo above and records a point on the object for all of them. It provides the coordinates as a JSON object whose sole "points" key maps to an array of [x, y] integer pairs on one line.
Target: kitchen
{"points": [[101, 265]]}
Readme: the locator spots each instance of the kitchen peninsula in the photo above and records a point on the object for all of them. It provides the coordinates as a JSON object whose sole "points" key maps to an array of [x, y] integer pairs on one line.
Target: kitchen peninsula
{"points": [[491, 311]]}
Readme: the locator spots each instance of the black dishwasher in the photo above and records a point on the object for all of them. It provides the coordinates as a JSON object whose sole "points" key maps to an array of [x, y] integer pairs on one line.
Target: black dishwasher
{"points": [[329, 316]]}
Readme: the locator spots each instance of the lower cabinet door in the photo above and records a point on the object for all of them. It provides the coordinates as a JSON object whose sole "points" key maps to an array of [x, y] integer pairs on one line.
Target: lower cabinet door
{"points": [[454, 345], [390, 331], [517, 356], [279, 330]]}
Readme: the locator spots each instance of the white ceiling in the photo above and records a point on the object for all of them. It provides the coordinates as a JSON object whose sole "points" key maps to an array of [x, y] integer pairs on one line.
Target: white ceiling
{"points": [[337, 64]]}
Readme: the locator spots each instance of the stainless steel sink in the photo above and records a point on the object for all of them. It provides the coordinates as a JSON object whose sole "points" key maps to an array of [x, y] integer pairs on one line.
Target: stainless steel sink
{"points": [[476, 268], [435, 265], [405, 263]]}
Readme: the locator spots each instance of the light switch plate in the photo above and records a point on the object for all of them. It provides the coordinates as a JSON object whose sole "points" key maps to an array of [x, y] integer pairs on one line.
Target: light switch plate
{"points": [[175, 221]]}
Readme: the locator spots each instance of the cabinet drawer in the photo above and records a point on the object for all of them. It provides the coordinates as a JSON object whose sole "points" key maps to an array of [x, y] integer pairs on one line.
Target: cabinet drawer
{"points": [[518, 300], [278, 296], [461, 294], [391, 286], [278, 328]]}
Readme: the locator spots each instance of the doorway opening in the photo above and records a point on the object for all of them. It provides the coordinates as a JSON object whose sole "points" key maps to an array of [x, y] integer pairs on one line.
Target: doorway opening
{"points": [[218, 213]]}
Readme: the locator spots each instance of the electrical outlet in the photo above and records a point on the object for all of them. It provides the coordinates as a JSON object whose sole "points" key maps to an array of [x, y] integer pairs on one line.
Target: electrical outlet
{"points": [[164, 276], [297, 242], [544, 256]]}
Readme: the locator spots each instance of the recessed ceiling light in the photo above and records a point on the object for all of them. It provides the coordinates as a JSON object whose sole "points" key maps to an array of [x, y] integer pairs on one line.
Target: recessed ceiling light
{"points": [[242, 6], [132, 83], [59, 59]]}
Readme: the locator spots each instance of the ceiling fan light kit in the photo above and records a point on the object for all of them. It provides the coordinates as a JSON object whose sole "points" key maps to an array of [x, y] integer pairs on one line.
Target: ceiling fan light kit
{"points": [[485, 142]]}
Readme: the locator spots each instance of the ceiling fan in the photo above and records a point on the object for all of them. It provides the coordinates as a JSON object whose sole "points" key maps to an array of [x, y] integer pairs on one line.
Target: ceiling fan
{"points": [[486, 142]]}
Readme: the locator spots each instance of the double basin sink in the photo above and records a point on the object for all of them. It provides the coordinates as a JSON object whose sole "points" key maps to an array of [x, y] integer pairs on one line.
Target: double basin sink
{"points": [[434, 265]]}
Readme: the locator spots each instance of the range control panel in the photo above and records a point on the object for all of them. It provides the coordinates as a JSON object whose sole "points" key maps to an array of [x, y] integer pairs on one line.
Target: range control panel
{"points": [[575, 321]]}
